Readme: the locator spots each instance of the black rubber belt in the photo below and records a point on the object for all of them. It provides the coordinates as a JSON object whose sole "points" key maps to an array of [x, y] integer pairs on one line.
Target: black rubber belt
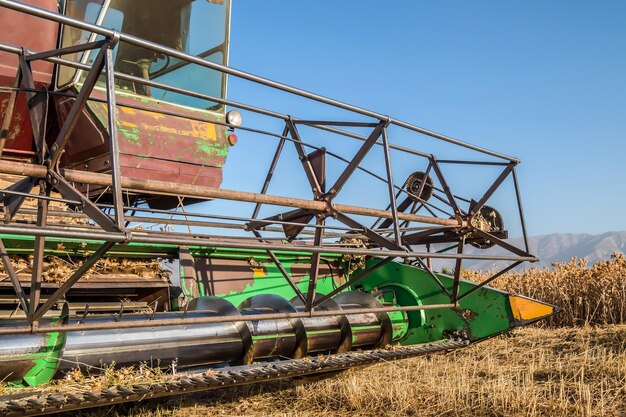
{"points": [[40, 403]]}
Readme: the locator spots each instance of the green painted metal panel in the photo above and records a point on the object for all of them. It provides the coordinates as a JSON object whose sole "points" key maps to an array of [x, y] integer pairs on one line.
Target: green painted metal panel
{"points": [[484, 313]]}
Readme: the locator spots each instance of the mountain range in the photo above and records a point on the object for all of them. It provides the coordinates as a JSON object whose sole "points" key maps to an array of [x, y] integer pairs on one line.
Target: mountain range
{"points": [[556, 247]]}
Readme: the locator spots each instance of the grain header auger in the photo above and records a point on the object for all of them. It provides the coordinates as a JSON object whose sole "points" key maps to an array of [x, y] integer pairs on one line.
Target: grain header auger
{"points": [[114, 116]]}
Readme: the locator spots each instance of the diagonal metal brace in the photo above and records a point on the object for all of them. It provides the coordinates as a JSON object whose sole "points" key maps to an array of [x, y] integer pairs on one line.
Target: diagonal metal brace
{"points": [[8, 267], [419, 238], [37, 103], [282, 269], [81, 100], [446, 188], [304, 159], [367, 232], [315, 263], [354, 280], [68, 191], [292, 222], [358, 158], [12, 202], [503, 175], [489, 280], [67, 285], [503, 244], [66, 51]]}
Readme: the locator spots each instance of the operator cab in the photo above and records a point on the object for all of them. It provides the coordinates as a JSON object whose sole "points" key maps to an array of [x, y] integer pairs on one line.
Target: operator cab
{"points": [[163, 135], [196, 27]]}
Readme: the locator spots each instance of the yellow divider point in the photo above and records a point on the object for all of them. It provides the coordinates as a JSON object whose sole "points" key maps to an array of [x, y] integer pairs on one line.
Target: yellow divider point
{"points": [[525, 309]]}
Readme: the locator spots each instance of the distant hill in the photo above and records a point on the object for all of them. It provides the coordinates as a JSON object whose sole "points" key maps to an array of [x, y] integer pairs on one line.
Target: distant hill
{"points": [[557, 247]]}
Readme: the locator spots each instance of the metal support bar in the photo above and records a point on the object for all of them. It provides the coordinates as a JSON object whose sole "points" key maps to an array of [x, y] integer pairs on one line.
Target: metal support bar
{"points": [[35, 108], [8, 267], [114, 152], [414, 238], [487, 281], [65, 51], [446, 189], [314, 123], [271, 169], [501, 243], [68, 191], [39, 247], [304, 159], [428, 267], [282, 270], [462, 162], [195, 191], [392, 196], [210, 241], [406, 203], [290, 218], [65, 287], [77, 107], [354, 281], [443, 200], [457, 273], [505, 173], [521, 210], [414, 198], [16, 195], [369, 233], [358, 158], [6, 192], [315, 263], [423, 183]]}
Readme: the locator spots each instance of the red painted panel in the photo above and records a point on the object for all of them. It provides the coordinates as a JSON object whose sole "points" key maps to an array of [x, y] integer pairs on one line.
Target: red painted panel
{"points": [[153, 145], [20, 29]]}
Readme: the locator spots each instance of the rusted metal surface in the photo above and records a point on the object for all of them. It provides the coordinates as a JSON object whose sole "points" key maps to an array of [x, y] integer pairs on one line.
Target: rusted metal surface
{"points": [[17, 29], [194, 191], [7, 109], [153, 145]]}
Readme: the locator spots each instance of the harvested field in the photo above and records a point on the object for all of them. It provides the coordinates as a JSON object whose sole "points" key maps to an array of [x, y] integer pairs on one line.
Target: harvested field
{"points": [[532, 372]]}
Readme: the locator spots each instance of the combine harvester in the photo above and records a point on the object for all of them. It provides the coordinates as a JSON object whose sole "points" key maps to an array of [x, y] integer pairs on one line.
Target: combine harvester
{"points": [[114, 114]]}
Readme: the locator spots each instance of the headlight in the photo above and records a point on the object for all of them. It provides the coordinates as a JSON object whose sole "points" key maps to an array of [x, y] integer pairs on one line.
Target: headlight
{"points": [[234, 118]]}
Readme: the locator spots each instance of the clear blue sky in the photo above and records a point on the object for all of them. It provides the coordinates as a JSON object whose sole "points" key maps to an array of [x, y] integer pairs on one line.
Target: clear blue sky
{"points": [[544, 81]]}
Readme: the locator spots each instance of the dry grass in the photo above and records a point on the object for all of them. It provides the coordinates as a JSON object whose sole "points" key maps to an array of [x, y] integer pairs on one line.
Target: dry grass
{"points": [[589, 295], [533, 372], [57, 269], [77, 381]]}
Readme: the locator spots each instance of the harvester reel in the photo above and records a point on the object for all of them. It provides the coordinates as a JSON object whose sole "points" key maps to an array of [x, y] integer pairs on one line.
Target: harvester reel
{"points": [[291, 295], [488, 220], [413, 185]]}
